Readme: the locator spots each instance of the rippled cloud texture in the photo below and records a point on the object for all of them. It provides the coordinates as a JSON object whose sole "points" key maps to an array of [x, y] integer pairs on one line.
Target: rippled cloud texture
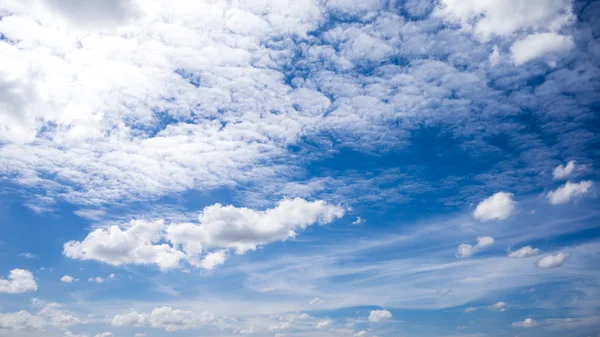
{"points": [[299, 168]]}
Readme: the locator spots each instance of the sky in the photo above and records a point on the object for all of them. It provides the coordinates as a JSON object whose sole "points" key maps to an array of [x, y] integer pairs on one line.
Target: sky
{"points": [[291, 168]]}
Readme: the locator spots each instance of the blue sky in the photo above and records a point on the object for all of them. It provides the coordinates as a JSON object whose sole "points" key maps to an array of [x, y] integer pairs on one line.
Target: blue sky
{"points": [[328, 168]]}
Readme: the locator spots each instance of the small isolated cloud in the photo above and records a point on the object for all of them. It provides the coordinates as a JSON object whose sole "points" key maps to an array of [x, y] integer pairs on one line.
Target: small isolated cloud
{"points": [[499, 206], [100, 280], [104, 334], [68, 279], [470, 309], [29, 256], [500, 306], [90, 214], [139, 334], [534, 46], [564, 171], [362, 333], [379, 315], [466, 250], [323, 324], [524, 252], [527, 323], [19, 281], [358, 221], [553, 261], [568, 192], [316, 301]]}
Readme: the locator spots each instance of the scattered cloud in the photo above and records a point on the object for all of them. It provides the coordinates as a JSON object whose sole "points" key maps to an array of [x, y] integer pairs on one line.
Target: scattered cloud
{"points": [[564, 171], [466, 250], [470, 309], [18, 281], [527, 323], [568, 192], [499, 306], [536, 45], [499, 206], [323, 324], [523, 252], [104, 334], [553, 261], [30, 256], [165, 318], [68, 279], [379, 315], [358, 221]]}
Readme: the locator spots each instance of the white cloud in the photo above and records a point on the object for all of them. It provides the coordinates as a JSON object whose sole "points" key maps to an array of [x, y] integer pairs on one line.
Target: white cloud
{"points": [[165, 318], [316, 300], [487, 18], [379, 315], [30, 256], [553, 261], [100, 279], [51, 314], [104, 334], [495, 57], [358, 221], [20, 320], [244, 229], [500, 306], [569, 191], [536, 45], [465, 250], [527, 323], [564, 171], [280, 326], [140, 334], [91, 214], [19, 281], [134, 244], [499, 206], [323, 324], [68, 279], [220, 227], [524, 252], [470, 309]]}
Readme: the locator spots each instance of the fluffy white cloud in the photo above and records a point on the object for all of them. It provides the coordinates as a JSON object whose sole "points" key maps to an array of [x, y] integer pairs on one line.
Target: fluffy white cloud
{"points": [[67, 279], [564, 171], [20, 320], [524, 252], [499, 306], [19, 281], [244, 229], [51, 314], [379, 315], [137, 243], [499, 206], [505, 17], [220, 227], [465, 250], [165, 318], [553, 261], [104, 334], [323, 324], [536, 45], [100, 279], [527, 323], [569, 191]]}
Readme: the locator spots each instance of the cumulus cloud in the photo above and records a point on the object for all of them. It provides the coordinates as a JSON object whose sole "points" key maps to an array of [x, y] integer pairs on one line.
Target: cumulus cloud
{"points": [[499, 206], [536, 45], [323, 324], [18, 281], [527, 323], [524, 252], [219, 227], [136, 243], [100, 279], [553, 261], [499, 306], [564, 171], [505, 17], [51, 314], [379, 315], [568, 192], [68, 279], [465, 250], [165, 318], [244, 229]]}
